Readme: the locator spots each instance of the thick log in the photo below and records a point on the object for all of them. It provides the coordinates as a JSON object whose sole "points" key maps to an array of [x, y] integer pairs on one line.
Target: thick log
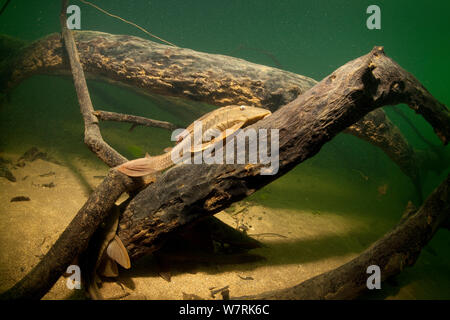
{"points": [[161, 69], [186, 193], [220, 80], [396, 250]]}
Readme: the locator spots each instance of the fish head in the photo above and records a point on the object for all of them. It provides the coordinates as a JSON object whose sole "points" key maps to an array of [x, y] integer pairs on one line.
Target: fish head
{"points": [[250, 114]]}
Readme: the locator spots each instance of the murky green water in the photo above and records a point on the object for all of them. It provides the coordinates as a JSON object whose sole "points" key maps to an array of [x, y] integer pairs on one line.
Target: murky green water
{"points": [[311, 38]]}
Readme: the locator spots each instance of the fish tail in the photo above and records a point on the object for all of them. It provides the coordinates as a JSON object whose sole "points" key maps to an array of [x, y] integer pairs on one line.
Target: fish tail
{"points": [[138, 167]]}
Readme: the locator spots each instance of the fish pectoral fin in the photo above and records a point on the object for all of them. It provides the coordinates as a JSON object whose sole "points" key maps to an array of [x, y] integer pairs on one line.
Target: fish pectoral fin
{"points": [[223, 135], [108, 268], [117, 252], [168, 149], [138, 167]]}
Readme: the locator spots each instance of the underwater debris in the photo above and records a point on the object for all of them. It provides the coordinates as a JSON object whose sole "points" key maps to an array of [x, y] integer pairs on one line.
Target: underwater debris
{"points": [[48, 185], [220, 290], [33, 154], [44, 185], [225, 294], [267, 234], [382, 190], [245, 278], [132, 297], [4, 161], [410, 209], [19, 199], [5, 173], [99, 177], [50, 173], [190, 296], [366, 178]]}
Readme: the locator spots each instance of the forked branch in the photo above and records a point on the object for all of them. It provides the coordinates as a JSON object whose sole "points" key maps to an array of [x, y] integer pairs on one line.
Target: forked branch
{"points": [[92, 136]]}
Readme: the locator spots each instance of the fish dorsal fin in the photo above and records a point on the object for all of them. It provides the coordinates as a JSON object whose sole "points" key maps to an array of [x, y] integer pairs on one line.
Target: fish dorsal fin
{"points": [[147, 155], [116, 251], [108, 268], [231, 130]]}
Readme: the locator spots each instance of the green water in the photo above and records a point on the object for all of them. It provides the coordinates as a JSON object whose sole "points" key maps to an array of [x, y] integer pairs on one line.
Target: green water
{"points": [[311, 38]]}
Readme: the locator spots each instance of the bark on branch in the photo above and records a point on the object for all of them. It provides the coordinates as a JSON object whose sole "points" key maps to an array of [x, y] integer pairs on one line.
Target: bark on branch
{"points": [[396, 250], [150, 67], [92, 136], [186, 193]]}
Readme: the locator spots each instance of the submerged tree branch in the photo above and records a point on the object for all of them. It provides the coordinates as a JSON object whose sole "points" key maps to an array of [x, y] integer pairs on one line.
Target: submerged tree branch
{"points": [[135, 120]]}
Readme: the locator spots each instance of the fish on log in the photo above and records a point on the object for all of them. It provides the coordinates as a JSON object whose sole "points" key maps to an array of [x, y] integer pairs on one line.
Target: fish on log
{"points": [[149, 68]]}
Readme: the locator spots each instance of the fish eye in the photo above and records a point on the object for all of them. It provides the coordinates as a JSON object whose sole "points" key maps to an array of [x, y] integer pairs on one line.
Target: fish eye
{"points": [[242, 107]]}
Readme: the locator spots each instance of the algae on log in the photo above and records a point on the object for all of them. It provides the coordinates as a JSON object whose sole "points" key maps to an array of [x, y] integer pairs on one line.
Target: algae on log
{"points": [[220, 80]]}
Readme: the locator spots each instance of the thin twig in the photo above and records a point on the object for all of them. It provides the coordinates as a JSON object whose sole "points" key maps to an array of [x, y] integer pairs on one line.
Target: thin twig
{"points": [[135, 120], [126, 21]]}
